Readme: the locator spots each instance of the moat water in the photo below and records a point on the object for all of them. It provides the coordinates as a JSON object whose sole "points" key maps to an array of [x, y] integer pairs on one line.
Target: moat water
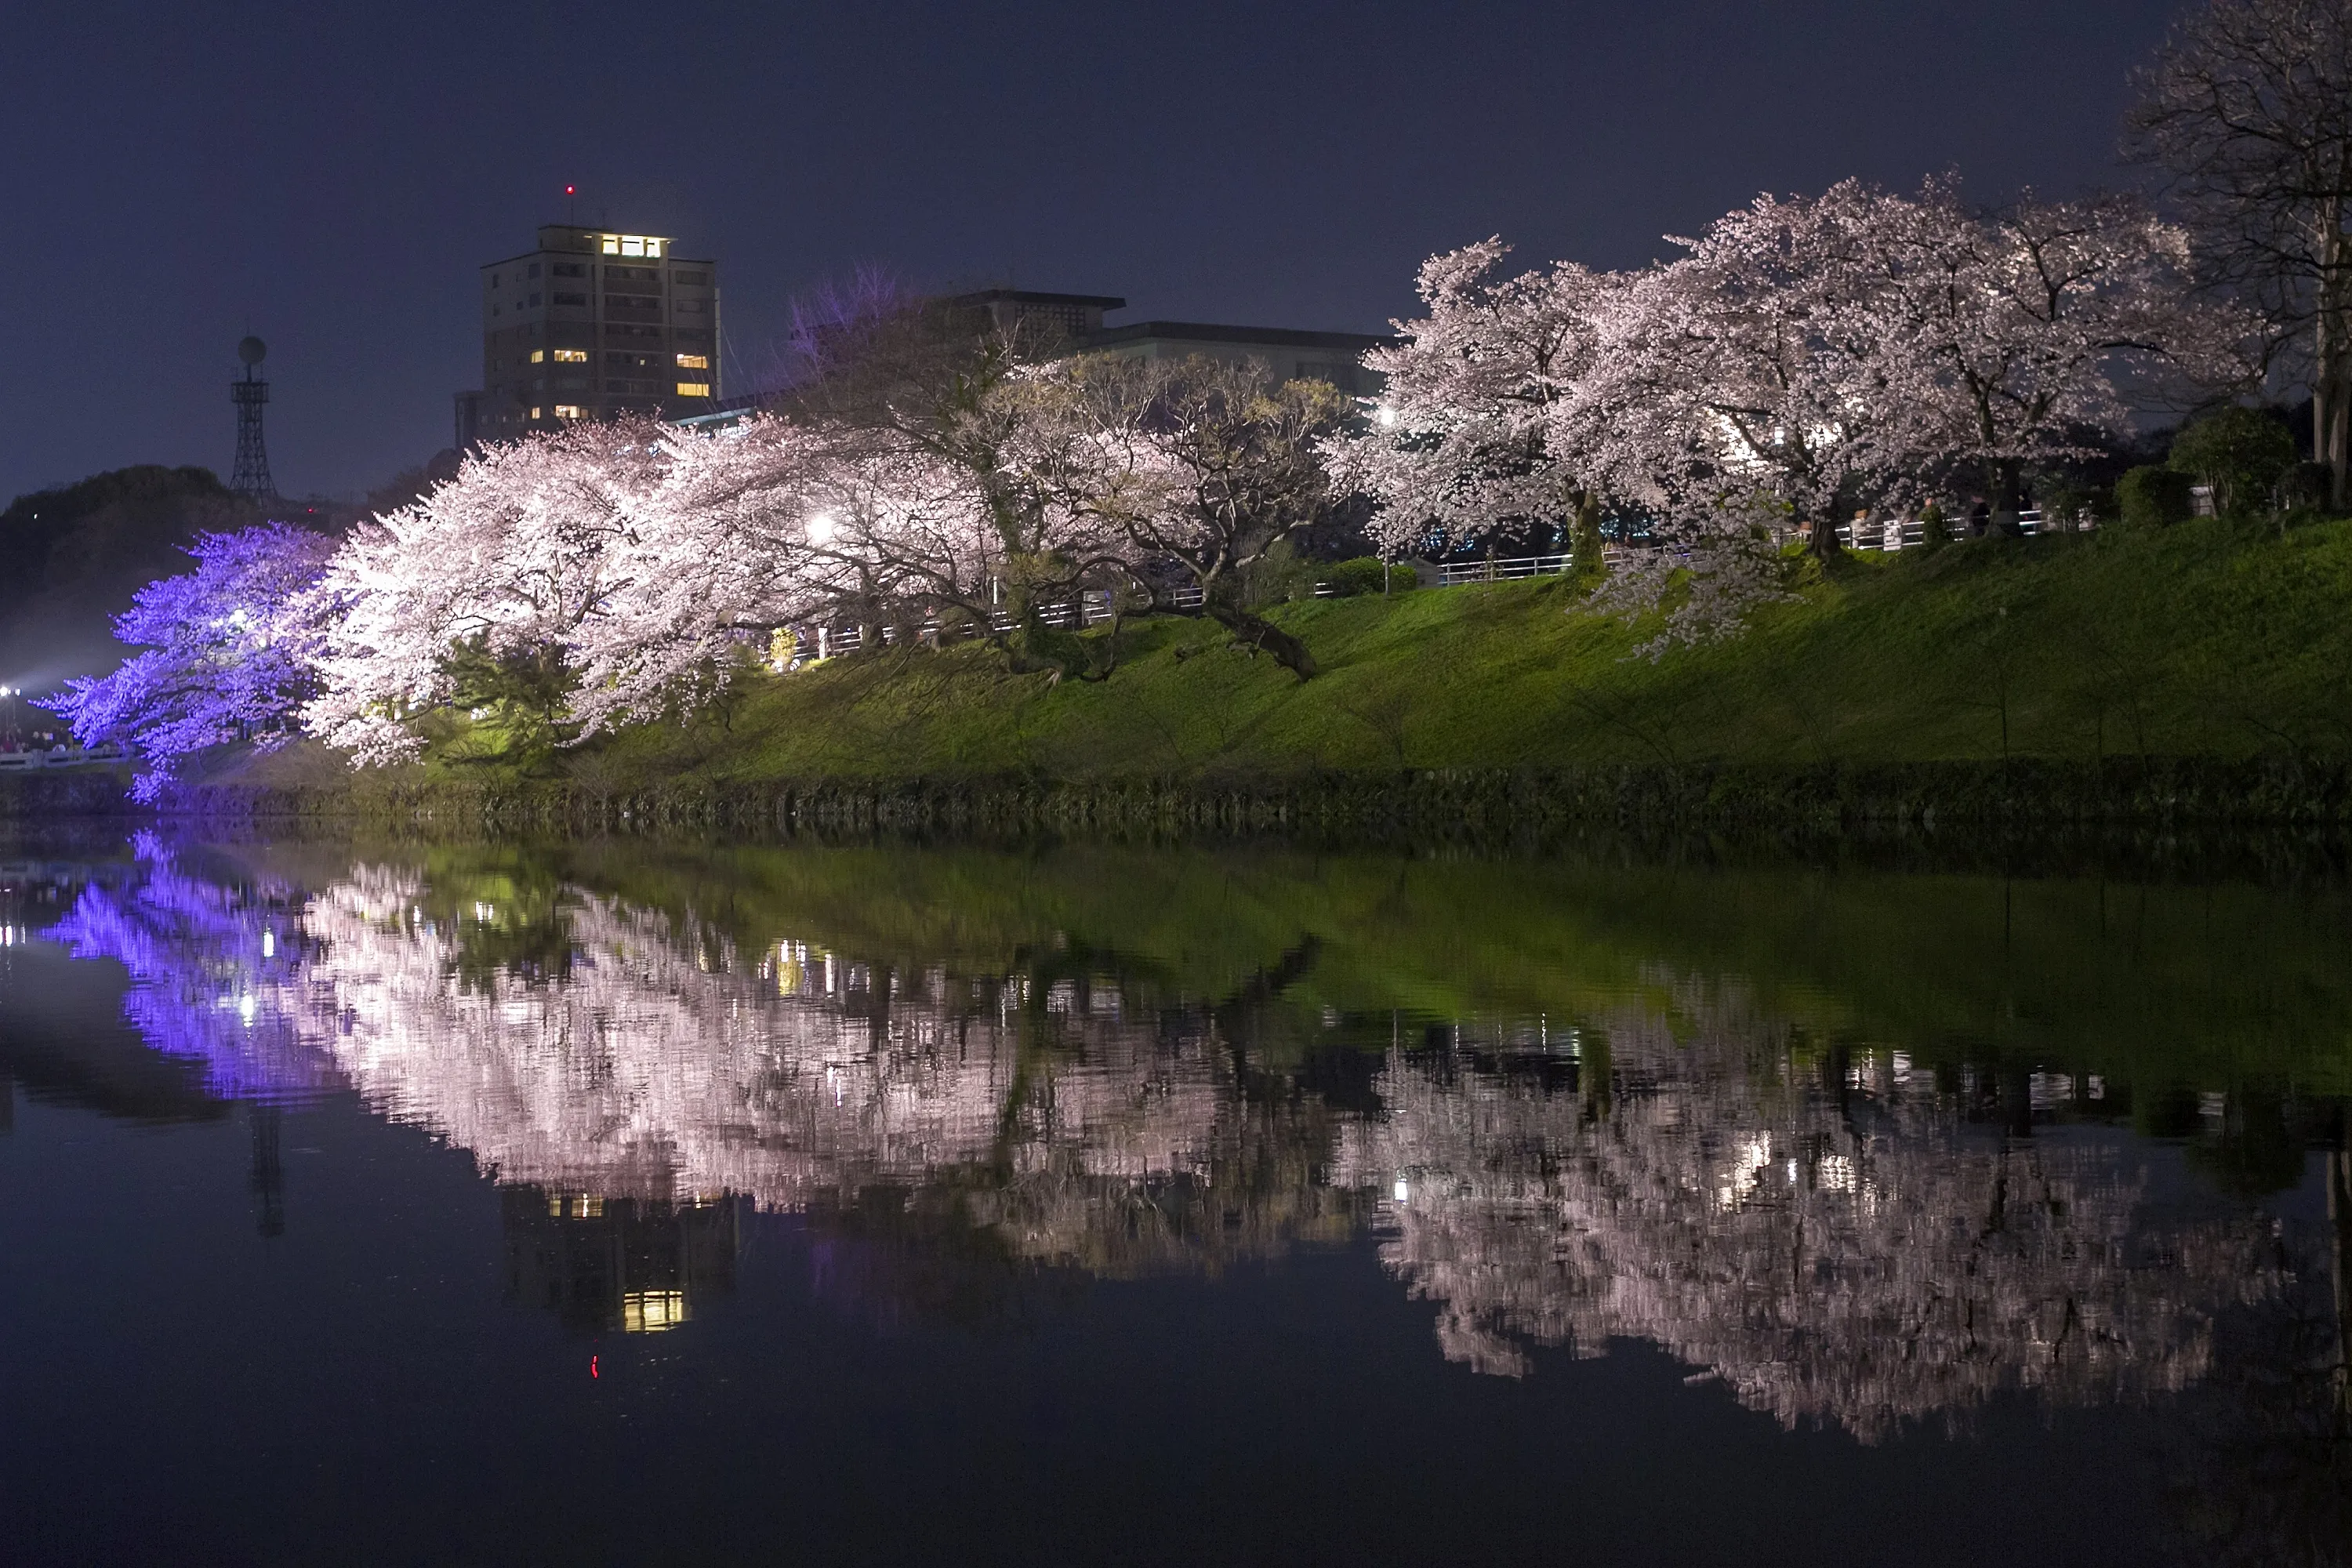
{"points": [[628, 1202]]}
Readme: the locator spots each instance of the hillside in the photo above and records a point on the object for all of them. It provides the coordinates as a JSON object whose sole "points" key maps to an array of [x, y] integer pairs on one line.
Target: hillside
{"points": [[72, 558], [2205, 640]]}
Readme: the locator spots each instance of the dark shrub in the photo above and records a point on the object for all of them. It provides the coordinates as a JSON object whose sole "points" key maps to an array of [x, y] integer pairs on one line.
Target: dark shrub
{"points": [[1364, 574], [2240, 452], [2152, 496], [2305, 487]]}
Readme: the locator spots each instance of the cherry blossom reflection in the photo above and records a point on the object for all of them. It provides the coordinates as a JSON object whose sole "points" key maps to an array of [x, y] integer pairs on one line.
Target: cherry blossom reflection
{"points": [[1818, 1226], [1826, 1233]]}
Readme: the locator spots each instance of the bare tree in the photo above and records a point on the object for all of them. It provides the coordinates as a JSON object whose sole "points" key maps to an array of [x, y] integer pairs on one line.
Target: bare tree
{"points": [[2249, 105], [1225, 464], [1013, 519]]}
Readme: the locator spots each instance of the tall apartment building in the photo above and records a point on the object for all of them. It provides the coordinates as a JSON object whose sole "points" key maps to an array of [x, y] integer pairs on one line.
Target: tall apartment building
{"points": [[590, 325]]}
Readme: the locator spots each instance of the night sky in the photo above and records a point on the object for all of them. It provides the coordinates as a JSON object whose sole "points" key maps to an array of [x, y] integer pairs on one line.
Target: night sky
{"points": [[330, 176]]}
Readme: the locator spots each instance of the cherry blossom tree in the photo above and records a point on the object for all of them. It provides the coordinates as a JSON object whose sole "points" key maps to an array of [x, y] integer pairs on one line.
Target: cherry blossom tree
{"points": [[1476, 428], [1207, 467], [473, 595], [982, 415], [2016, 331], [229, 652], [2248, 107], [735, 540]]}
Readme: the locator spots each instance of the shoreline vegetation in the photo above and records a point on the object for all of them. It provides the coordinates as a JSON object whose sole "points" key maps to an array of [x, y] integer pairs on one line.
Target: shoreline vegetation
{"points": [[2199, 674]]}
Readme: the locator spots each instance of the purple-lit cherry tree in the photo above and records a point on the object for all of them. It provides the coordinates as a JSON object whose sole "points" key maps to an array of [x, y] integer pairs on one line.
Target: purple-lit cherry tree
{"points": [[230, 654]]}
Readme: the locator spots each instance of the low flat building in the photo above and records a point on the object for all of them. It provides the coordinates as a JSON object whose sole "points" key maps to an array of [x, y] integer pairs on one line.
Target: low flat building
{"points": [[1046, 324], [1290, 355]]}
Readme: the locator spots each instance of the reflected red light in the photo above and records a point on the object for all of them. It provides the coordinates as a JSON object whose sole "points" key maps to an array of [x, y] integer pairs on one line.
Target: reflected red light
{"points": [[592, 1366]]}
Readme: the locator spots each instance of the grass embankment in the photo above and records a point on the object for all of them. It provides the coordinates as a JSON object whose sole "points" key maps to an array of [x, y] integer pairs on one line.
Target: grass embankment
{"points": [[2205, 640], [1990, 680]]}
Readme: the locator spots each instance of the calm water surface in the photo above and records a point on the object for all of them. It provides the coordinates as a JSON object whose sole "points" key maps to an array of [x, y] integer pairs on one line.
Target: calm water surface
{"points": [[628, 1203]]}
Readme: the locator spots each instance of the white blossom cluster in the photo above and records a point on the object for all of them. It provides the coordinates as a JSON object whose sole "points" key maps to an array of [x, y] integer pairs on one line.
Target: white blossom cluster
{"points": [[1805, 357]]}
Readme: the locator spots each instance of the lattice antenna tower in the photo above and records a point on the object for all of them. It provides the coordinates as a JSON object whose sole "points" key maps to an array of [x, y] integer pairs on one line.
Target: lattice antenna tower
{"points": [[252, 476]]}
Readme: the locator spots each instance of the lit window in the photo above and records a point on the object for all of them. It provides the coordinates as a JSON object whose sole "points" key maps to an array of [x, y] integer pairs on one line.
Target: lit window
{"points": [[694, 362], [694, 389], [571, 356], [570, 411], [631, 245], [537, 355], [535, 414]]}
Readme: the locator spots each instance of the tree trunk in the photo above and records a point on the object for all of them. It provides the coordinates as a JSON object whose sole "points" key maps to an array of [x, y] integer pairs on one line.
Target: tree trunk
{"points": [[2331, 384], [1259, 632], [1585, 562], [2004, 491], [2331, 403]]}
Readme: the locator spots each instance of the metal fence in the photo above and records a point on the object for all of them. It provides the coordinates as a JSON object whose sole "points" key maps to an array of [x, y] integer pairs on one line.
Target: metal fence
{"points": [[1909, 532], [59, 757], [1093, 606], [1451, 572]]}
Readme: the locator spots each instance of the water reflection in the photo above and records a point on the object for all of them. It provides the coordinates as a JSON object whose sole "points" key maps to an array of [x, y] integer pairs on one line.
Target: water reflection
{"points": [[630, 1265], [1837, 1232], [1826, 1233]]}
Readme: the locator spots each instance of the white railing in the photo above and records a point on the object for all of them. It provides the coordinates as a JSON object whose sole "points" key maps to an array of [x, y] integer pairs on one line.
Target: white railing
{"points": [[1490, 571], [1909, 532], [59, 757]]}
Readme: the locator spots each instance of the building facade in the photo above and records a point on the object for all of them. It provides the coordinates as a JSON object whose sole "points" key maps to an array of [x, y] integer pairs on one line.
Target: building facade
{"points": [[1288, 353], [592, 324], [1044, 325], [1043, 322]]}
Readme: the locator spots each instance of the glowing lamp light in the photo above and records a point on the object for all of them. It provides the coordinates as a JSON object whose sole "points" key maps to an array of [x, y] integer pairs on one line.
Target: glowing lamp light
{"points": [[821, 528], [1385, 416]]}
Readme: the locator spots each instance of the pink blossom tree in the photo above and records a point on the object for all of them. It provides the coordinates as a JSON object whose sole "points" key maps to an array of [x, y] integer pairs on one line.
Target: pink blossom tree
{"points": [[1477, 426], [472, 597]]}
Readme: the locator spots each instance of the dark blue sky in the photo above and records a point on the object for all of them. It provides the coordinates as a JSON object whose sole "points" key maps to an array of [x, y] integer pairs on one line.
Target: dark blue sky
{"points": [[330, 175]]}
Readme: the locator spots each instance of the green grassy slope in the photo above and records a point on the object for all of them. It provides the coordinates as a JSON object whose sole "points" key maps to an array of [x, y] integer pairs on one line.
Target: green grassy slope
{"points": [[2207, 640], [2203, 640]]}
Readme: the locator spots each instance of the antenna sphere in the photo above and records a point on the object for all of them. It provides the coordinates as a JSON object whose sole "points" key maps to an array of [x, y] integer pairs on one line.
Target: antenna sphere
{"points": [[252, 351]]}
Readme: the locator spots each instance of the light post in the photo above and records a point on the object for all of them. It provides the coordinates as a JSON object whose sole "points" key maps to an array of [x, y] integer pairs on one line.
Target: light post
{"points": [[8, 734]]}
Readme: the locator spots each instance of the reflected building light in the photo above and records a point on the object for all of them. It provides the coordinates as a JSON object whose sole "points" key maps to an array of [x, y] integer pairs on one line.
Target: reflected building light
{"points": [[651, 1312]]}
